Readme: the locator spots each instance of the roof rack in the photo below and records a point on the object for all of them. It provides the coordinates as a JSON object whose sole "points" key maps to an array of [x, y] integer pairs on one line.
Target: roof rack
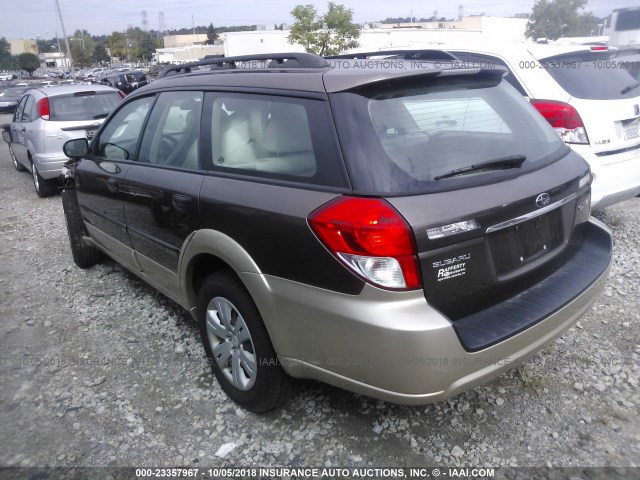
{"points": [[270, 60], [403, 54]]}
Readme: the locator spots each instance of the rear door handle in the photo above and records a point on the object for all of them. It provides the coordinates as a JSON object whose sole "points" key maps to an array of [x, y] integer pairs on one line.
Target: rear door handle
{"points": [[181, 203]]}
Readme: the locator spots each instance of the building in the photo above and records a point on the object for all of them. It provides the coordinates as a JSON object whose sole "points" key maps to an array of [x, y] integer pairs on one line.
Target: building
{"points": [[22, 45], [55, 60], [187, 48], [191, 53], [177, 41], [265, 41], [390, 36], [481, 23]]}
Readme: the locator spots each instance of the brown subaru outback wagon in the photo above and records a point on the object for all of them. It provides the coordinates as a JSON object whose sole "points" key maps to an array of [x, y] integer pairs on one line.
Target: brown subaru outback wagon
{"points": [[403, 229]]}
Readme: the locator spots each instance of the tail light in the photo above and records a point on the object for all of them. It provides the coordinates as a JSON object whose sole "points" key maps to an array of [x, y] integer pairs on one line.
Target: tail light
{"points": [[43, 108], [564, 119], [371, 238], [122, 94]]}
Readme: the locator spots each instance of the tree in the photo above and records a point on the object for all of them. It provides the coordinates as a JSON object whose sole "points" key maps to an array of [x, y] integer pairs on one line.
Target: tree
{"points": [[28, 62], [45, 46], [100, 54], [7, 61], [80, 56], [212, 35], [553, 19], [330, 34], [118, 46], [147, 48], [83, 37]]}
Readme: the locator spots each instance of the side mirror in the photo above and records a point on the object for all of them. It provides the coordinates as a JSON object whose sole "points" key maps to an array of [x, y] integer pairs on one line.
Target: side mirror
{"points": [[76, 148], [6, 136]]}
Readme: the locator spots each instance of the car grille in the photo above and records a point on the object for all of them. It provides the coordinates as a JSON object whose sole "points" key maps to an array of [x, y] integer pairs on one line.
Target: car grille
{"points": [[514, 247]]}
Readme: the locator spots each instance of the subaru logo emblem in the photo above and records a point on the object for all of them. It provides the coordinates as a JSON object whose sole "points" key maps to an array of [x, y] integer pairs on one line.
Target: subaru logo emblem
{"points": [[543, 200]]}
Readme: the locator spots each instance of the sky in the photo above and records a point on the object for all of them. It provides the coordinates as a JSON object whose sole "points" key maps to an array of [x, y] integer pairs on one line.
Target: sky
{"points": [[37, 18]]}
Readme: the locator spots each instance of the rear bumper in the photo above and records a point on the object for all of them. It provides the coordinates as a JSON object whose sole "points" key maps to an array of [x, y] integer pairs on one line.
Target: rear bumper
{"points": [[394, 345], [50, 165], [615, 177]]}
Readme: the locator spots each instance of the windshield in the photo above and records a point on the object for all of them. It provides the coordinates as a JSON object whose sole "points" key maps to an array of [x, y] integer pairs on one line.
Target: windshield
{"points": [[593, 75], [84, 106], [405, 138]]}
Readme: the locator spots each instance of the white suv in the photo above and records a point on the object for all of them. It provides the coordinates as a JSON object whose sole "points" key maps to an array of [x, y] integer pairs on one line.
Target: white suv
{"points": [[588, 94], [5, 76]]}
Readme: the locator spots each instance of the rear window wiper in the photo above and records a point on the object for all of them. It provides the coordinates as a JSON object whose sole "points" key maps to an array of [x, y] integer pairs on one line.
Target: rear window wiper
{"points": [[101, 115], [633, 86], [514, 161]]}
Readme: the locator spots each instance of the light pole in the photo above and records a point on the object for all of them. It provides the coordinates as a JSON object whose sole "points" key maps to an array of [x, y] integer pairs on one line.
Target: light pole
{"points": [[60, 52], [66, 41], [110, 54]]}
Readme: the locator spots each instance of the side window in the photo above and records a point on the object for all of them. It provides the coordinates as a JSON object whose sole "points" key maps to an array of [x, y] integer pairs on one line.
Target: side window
{"points": [[171, 136], [30, 113], [119, 137], [17, 116], [263, 134], [487, 61]]}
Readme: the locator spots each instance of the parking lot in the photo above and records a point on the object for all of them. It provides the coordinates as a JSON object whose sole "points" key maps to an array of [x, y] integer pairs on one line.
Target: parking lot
{"points": [[98, 369]]}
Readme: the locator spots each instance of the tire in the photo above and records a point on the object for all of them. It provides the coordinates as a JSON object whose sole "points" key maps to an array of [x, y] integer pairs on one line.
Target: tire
{"points": [[244, 361], [17, 165], [44, 188], [84, 256]]}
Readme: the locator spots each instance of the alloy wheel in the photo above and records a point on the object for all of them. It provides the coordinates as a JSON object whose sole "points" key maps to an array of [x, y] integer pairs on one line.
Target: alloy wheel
{"points": [[34, 174]]}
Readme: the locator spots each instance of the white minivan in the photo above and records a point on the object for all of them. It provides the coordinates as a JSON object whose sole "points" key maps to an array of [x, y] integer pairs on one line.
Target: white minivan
{"points": [[624, 31]]}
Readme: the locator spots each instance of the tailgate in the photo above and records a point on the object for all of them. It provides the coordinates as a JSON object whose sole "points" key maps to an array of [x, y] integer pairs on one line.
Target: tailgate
{"points": [[604, 90], [524, 230], [58, 133], [612, 125]]}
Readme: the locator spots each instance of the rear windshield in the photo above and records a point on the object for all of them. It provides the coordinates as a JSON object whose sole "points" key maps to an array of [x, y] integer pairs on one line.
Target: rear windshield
{"points": [[593, 75], [83, 106], [628, 20], [632, 65], [400, 137]]}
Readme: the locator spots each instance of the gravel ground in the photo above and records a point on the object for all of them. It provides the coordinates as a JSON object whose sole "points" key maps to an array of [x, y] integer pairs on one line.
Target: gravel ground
{"points": [[99, 369]]}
